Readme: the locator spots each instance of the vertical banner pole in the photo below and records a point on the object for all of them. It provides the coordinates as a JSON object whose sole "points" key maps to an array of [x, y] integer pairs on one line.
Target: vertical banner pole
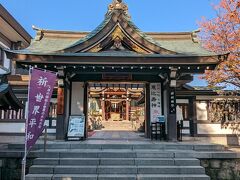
{"points": [[40, 88], [45, 138], [24, 160]]}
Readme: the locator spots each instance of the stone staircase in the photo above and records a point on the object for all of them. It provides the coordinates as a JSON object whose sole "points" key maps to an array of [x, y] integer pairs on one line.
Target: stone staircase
{"points": [[119, 162]]}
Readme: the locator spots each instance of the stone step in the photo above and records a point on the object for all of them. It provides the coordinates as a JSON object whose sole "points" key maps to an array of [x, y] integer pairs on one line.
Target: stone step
{"points": [[117, 177], [163, 154], [41, 169], [173, 177], [97, 154], [117, 161], [171, 170], [160, 146], [39, 176], [127, 154]]}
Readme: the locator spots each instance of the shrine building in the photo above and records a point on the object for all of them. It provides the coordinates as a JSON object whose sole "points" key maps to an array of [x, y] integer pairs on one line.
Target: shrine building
{"points": [[121, 78]]}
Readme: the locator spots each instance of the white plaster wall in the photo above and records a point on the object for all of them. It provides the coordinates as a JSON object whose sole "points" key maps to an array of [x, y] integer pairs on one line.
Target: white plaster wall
{"points": [[12, 127], [77, 105], [202, 111], [212, 129]]}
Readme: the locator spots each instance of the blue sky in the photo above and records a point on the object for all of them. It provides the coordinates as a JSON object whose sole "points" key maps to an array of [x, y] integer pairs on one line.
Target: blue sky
{"points": [[85, 15]]}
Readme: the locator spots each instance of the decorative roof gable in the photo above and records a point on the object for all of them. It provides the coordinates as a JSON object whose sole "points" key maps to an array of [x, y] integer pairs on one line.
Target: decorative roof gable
{"points": [[117, 33]]}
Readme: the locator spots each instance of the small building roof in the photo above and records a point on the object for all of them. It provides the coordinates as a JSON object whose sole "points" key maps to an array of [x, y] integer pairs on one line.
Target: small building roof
{"points": [[11, 30], [7, 98]]}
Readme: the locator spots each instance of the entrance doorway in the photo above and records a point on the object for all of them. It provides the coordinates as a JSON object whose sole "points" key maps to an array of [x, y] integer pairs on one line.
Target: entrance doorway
{"points": [[114, 106]]}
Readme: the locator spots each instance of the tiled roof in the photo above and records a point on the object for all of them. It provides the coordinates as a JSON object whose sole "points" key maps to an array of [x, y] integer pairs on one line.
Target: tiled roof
{"points": [[55, 44]]}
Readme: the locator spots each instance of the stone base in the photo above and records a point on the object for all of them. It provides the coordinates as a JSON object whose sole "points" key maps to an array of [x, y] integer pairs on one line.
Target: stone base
{"points": [[226, 140]]}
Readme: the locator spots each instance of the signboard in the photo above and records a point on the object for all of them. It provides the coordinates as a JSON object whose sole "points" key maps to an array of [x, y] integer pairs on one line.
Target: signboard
{"points": [[172, 100], [161, 119], [40, 90], [76, 127], [155, 101]]}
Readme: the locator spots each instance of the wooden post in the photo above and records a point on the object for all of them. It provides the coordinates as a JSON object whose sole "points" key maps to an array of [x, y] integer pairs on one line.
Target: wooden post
{"points": [[60, 101], [147, 114], [127, 109], [172, 123], [60, 114], [85, 109], [103, 109]]}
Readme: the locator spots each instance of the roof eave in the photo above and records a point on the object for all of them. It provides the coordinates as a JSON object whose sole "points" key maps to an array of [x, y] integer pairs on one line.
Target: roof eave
{"points": [[98, 58]]}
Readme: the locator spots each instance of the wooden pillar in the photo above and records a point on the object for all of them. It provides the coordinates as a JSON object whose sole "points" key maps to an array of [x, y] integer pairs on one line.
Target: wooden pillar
{"points": [[172, 123], [60, 113], [63, 101], [193, 110], [127, 109], [148, 113], [85, 109]]}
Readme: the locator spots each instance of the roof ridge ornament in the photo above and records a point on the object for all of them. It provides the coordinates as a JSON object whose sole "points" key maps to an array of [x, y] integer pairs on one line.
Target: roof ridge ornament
{"points": [[118, 5]]}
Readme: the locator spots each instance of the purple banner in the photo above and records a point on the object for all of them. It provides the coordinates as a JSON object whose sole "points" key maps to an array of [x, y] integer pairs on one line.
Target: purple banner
{"points": [[40, 92]]}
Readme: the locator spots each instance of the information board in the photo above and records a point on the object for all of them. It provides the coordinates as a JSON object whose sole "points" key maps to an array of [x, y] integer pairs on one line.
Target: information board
{"points": [[155, 101], [76, 127]]}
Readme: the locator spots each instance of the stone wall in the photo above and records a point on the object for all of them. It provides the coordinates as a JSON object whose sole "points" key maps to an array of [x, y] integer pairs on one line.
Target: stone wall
{"points": [[10, 168], [224, 169]]}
